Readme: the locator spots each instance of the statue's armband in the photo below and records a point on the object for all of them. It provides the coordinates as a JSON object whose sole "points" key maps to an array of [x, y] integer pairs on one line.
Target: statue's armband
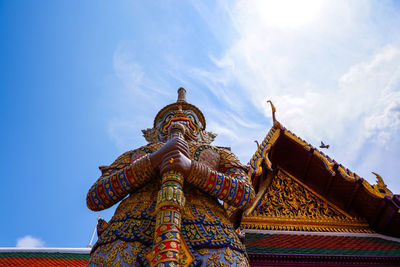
{"points": [[115, 184], [231, 185]]}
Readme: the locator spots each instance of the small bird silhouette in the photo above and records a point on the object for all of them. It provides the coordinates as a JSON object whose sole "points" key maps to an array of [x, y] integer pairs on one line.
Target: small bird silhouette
{"points": [[323, 145]]}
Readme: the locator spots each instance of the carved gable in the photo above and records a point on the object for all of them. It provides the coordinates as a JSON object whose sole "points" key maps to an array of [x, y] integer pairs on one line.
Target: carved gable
{"points": [[288, 204]]}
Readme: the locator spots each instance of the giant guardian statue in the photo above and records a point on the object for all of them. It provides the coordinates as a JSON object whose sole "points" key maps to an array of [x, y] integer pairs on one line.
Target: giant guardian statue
{"points": [[173, 195]]}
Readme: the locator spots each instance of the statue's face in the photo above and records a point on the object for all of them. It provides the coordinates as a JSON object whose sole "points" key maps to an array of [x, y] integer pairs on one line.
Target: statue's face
{"points": [[187, 118]]}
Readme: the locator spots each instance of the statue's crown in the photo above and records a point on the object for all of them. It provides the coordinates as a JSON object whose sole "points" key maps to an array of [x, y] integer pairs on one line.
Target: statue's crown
{"points": [[182, 104]]}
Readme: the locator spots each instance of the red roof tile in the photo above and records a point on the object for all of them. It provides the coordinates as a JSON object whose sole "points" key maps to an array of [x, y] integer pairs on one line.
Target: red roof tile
{"points": [[318, 241], [44, 256], [42, 262], [320, 244]]}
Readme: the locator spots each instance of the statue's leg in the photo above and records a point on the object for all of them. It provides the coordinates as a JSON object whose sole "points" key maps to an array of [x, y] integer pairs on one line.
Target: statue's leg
{"points": [[117, 253], [223, 257]]}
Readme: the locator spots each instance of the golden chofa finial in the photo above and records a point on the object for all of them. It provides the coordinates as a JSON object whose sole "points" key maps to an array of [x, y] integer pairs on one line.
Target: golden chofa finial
{"points": [[181, 95], [276, 123], [380, 185]]}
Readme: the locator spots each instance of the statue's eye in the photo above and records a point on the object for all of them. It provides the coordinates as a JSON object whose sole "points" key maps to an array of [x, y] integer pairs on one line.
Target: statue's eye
{"points": [[191, 117], [169, 117]]}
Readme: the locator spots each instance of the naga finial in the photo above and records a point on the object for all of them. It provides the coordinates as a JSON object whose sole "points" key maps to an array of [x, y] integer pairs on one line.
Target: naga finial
{"points": [[276, 123], [258, 144], [181, 95], [380, 185]]}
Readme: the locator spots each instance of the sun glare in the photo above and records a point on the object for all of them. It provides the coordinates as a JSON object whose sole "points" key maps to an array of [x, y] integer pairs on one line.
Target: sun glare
{"points": [[288, 13]]}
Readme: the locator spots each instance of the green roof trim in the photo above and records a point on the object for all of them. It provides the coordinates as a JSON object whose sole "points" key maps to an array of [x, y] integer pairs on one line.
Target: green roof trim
{"points": [[379, 240], [252, 237]]}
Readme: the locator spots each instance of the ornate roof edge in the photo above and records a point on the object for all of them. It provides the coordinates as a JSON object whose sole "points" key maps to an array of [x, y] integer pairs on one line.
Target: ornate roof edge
{"points": [[297, 224], [262, 155]]}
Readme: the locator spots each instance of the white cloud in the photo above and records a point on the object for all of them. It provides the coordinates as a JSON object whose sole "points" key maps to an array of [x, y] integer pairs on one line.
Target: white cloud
{"points": [[373, 88], [29, 242], [131, 72], [332, 71], [135, 92], [330, 67], [383, 127]]}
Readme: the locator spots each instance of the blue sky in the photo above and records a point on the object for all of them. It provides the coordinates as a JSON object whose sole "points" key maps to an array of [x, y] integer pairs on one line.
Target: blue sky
{"points": [[80, 79]]}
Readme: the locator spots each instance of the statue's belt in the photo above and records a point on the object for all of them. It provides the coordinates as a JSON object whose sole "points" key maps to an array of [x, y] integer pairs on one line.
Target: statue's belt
{"points": [[198, 233]]}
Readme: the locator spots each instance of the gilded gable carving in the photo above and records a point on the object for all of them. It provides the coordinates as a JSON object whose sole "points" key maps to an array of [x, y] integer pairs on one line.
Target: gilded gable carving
{"points": [[287, 204], [286, 197]]}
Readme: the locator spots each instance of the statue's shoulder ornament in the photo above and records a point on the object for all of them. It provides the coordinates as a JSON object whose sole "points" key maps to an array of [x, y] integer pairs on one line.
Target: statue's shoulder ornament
{"points": [[128, 157], [121, 162], [150, 148], [200, 148], [206, 154]]}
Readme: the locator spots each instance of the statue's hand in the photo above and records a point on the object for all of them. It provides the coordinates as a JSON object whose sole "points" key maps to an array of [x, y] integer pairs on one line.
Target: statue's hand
{"points": [[177, 161], [174, 144]]}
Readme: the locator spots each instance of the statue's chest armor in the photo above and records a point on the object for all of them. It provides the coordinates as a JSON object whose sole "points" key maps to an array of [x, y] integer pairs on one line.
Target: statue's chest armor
{"points": [[205, 154]]}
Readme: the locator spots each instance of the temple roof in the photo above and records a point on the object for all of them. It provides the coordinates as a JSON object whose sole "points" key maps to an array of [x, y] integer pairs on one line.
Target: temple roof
{"points": [[273, 247], [36, 257], [327, 244], [283, 160]]}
